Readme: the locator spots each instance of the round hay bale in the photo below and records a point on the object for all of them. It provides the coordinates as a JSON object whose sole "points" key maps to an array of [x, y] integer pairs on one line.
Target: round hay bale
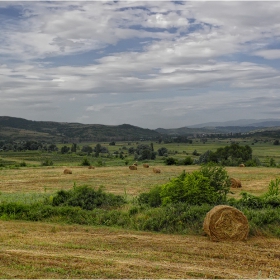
{"points": [[241, 165], [156, 170], [226, 223], [145, 165], [67, 171], [91, 167], [235, 183], [133, 167]]}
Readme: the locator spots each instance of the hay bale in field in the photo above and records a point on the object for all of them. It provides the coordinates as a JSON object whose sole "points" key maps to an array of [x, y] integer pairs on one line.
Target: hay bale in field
{"points": [[235, 183], [156, 170], [242, 165], [135, 163], [133, 167], [67, 171], [226, 223], [145, 165], [91, 167]]}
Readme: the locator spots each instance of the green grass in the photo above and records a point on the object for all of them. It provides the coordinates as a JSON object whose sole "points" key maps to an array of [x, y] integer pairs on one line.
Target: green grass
{"points": [[261, 149], [25, 198]]}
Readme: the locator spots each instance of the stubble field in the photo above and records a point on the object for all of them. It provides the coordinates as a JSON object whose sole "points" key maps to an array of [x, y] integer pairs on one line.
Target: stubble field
{"points": [[49, 250]]}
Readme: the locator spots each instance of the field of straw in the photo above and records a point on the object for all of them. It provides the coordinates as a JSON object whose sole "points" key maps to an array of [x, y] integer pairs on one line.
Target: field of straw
{"points": [[120, 180], [42, 250], [49, 250]]}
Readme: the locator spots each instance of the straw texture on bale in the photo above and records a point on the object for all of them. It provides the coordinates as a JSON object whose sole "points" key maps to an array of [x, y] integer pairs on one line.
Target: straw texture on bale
{"points": [[156, 170], [133, 167], [145, 165], [91, 167], [67, 171], [226, 223], [235, 183], [241, 165]]}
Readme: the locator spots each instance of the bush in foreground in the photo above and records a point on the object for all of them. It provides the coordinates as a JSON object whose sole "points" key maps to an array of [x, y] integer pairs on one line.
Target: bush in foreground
{"points": [[87, 198]]}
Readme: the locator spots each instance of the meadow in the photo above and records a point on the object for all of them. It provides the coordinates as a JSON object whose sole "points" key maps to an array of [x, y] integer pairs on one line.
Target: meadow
{"points": [[57, 249]]}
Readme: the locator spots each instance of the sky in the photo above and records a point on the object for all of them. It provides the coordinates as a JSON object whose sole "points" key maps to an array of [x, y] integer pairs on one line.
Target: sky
{"points": [[151, 64]]}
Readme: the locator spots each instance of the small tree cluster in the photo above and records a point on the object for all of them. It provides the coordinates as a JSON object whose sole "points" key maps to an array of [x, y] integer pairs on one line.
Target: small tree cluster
{"points": [[143, 152], [230, 155]]}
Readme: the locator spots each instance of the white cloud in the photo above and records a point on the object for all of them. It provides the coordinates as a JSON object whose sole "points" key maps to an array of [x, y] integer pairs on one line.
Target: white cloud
{"points": [[269, 54], [167, 61]]}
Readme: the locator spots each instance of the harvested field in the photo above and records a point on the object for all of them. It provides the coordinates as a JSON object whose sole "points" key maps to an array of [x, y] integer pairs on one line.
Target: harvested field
{"points": [[120, 179], [45, 250]]}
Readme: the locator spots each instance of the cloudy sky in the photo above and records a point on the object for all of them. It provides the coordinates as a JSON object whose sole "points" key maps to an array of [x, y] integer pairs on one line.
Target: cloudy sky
{"points": [[151, 64]]}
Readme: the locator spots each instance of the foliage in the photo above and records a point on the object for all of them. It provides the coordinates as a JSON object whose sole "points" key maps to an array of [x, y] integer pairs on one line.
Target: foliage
{"points": [[253, 162], [219, 179], [87, 198], [85, 162], [229, 155], [87, 149], [170, 161], [192, 188], [210, 185], [47, 162], [152, 198], [270, 199], [144, 152], [162, 151], [188, 161], [64, 149]]}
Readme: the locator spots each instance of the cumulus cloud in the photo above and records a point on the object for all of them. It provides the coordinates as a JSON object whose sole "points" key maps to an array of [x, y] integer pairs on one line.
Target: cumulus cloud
{"points": [[172, 62]]}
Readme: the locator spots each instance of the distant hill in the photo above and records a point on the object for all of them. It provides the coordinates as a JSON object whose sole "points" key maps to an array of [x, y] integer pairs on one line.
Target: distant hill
{"points": [[21, 129], [18, 129], [240, 123], [239, 126]]}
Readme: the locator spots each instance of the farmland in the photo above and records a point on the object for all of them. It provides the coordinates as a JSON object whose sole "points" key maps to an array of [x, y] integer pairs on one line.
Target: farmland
{"points": [[55, 249]]}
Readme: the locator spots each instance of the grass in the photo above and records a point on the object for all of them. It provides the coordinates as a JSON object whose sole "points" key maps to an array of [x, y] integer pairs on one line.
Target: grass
{"points": [[46, 250], [57, 250]]}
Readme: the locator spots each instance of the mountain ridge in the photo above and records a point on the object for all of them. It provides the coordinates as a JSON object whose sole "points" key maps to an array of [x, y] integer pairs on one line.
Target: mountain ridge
{"points": [[17, 129]]}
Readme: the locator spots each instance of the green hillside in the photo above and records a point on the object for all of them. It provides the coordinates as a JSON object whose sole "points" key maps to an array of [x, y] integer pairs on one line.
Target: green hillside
{"points": [[21, 129]]}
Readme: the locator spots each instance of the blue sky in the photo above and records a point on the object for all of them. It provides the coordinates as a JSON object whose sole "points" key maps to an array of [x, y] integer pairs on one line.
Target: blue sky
{"points": [[151, 64]]}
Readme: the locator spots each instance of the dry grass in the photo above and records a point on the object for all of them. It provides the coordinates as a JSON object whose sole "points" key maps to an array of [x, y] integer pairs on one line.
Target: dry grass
{"points": [[120, 179], [114, 179], [40, 250], [45, 250]]}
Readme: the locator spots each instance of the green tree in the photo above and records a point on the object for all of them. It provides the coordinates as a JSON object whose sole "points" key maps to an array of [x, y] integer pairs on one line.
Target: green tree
{"points": [[97, 150], [162, 151], [64, 150], [74, 148]]}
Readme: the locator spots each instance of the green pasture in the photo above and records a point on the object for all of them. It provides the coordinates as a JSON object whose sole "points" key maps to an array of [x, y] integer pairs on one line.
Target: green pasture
{"points": [[264, 150]]}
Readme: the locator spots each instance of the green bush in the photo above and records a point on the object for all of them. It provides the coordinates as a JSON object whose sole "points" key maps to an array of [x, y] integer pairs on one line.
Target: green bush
{"points": [[152, 198], [170, 161], [85, 162], [47, 162], [209, 185], [87, 198], [188, 161], [192, 188], [219, 179]]}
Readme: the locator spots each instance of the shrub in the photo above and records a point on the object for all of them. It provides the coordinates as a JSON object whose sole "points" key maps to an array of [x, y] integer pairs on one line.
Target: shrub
{"points": [[188, 161], [151, 198], [87, 198], [219, 179], [47, 162], [85, 162], [192, 188], [170, 161]]}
